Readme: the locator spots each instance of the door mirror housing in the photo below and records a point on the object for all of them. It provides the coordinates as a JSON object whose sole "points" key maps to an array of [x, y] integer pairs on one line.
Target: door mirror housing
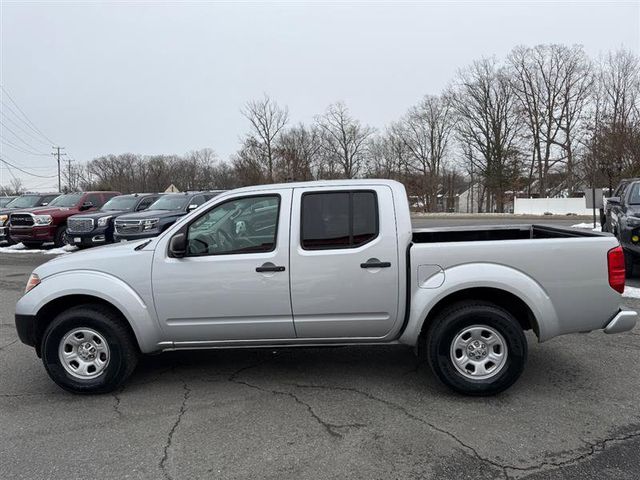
{"points": [[614, 200], [178, 245], [86, 206], [192, 207]]}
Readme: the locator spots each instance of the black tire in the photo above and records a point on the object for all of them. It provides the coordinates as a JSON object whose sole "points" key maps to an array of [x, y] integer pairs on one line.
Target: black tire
{"points": [[455, 319], [123, 351], [629, 264], [60, 239], [32, 244]]}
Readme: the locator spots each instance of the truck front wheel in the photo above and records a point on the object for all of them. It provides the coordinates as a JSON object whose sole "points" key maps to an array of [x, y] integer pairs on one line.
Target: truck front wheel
{"points": [[88, 349], [476, 348]]}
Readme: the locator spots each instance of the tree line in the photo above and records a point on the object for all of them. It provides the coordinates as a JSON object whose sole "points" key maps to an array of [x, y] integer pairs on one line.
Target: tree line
{"points": [[543, 121]]}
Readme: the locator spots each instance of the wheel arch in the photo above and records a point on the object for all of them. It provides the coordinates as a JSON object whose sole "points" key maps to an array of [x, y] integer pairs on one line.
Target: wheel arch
{"points": [[49, 311], [499, 297]]}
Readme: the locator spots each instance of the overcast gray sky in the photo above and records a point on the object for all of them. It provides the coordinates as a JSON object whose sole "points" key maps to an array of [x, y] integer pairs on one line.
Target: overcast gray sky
{"points": [[157, 77]]}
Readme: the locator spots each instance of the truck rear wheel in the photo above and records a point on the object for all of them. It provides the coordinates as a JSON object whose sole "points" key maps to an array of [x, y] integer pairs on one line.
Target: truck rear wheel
{"points": [[476, 348], [88, 349]]}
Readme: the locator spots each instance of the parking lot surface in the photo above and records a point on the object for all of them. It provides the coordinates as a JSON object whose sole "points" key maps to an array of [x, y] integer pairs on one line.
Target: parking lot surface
{"points": [[321, 413]]}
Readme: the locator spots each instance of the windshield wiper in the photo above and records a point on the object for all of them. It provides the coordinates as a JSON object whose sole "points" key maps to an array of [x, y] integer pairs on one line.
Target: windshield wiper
{"points": [[143, 244]]}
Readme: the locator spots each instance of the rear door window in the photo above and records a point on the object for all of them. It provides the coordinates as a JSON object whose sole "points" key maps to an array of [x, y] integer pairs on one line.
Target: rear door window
{"points": [[334, 220]]}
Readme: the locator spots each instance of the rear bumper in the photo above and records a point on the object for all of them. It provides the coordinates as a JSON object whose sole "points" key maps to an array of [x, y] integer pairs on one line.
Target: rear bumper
{"points": [[43, 233], [624, 321]]}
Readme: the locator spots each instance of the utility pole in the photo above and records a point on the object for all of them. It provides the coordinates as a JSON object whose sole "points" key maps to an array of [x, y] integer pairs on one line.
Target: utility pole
{"points": [[69, 172], [58, 154]]}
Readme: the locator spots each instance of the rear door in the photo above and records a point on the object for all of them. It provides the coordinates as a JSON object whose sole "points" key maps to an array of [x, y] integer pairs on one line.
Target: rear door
{"points": [[344, 262]]}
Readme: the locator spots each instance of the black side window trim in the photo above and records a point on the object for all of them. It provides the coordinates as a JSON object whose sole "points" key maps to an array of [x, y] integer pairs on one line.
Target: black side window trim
{"points": [[185, 229], [351, 245]]}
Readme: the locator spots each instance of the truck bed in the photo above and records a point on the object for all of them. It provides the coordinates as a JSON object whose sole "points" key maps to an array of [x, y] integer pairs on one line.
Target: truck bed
{"points": [[492, 233]]}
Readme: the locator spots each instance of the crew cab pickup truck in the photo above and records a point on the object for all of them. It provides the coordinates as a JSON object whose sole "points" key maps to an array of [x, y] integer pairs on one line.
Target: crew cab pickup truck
{"points": [[49, 224], [23, 202], [159, 216], [318, 264], [96, 228]]}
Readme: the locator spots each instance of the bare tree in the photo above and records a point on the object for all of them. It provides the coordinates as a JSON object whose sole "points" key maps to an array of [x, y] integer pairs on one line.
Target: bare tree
{"points": [[344, 140], [267, 119], [425, 131], [484, 101], [551, 83], [298, 153]]}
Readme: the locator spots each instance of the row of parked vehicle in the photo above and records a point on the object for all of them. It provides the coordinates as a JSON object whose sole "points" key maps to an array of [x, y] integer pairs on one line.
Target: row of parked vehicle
{"points": [[87, 219]]}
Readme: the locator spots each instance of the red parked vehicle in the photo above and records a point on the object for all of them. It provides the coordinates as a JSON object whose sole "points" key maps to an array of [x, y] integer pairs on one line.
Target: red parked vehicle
{"points": [[49, 224]]}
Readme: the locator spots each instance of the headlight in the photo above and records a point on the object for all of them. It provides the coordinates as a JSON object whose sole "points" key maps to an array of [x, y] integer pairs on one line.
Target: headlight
{"points": [[42, 219], [150, 224], [102, 221], [3, 218], [34, 281]]}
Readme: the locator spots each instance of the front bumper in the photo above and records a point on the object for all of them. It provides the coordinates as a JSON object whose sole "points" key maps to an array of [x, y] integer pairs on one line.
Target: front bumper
{"points": [[37, 233], [624, 321], [98, 236], [135, 236], [4, 234], [26, 327]]}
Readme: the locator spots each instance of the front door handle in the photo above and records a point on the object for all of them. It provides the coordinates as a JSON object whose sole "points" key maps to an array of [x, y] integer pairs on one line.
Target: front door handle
{"points": [[269, 267], [375, 263]]}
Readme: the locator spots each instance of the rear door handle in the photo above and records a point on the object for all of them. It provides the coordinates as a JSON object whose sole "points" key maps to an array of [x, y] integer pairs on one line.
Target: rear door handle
{"points": [[269, 267], [375, 264]]}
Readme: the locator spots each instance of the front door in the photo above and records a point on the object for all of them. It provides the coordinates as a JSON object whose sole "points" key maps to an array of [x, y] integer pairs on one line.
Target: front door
{"points": [[344, 262], [233, 284]]}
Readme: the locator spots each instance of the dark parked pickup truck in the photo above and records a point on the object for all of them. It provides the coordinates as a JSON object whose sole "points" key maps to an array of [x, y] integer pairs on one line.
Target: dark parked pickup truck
{"points": [[49, 224], [623, 220], [23, 202], [90, 229], [160, 215]]}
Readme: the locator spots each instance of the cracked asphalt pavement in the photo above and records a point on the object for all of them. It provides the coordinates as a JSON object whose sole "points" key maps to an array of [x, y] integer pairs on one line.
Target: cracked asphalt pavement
{"points": [[321, 413]]}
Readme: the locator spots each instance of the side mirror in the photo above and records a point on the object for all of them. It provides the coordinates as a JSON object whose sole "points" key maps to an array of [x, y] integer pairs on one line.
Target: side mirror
{"points": [[178, 245], [614, 200], [44, 204], [192, 207], [86, 206]]}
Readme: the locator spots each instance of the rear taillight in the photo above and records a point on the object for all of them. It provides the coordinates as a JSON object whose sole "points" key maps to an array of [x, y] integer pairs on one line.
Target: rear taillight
{"points": [[615, 262]]}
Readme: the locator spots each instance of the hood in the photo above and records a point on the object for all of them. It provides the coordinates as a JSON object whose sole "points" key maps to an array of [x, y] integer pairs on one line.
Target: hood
{"points": [[101, 213], [633, 210], [48, 210], [98, 258], [152, 214], [6, 211]]}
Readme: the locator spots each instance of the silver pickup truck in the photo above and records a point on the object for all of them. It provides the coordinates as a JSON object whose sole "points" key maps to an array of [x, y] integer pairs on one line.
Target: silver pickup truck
{"points": [[322, 263]]}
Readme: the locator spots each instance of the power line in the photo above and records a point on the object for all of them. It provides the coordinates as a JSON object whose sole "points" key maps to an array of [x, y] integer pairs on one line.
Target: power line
{"points": [[17, 136], [26, 132], [9, 143], [24, 171], [25, 115]]}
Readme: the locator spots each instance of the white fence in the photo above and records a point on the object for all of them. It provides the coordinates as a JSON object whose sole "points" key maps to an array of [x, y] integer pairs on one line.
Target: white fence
{"points": [[557, 206]]}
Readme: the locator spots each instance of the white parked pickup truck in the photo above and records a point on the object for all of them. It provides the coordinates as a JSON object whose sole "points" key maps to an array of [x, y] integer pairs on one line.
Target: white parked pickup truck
{"points": [[322, 263]]}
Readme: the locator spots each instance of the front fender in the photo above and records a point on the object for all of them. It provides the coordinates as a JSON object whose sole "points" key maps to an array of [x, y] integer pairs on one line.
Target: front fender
{"points": [[482, 275], [103, 286]]}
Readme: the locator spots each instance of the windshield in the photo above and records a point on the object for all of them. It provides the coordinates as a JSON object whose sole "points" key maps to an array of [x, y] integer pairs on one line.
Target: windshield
{"points": [[170, 202], [634, 194], [25, 201], [124, 202], [68, 200], [4, 201]]}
